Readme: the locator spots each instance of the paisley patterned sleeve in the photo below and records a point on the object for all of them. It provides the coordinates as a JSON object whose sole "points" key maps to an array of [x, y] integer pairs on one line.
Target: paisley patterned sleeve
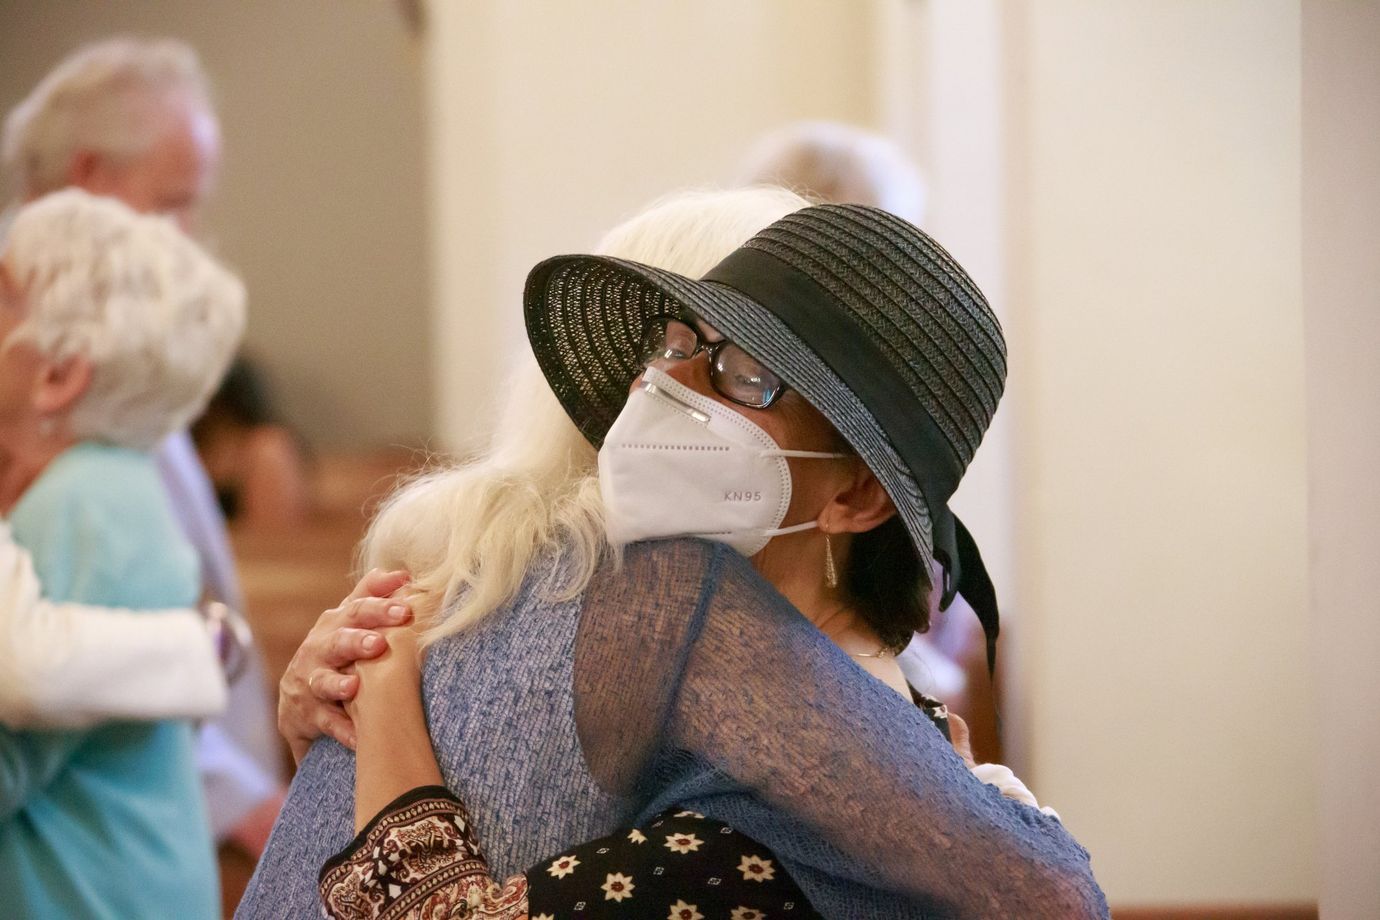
{"points": [[418, 858]]}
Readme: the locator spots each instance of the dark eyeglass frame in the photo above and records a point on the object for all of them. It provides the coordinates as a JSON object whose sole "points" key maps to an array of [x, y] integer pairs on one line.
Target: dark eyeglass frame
{"points": [[718, 365]]}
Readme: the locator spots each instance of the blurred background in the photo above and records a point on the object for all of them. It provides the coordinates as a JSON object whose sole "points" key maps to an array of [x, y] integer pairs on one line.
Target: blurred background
{"points": [[1174, 206]]}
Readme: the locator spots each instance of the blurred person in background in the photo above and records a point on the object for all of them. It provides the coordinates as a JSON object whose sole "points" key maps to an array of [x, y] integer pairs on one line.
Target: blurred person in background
{"points": [[832, 162], [257, 464], [133, 119], [114, 329]]}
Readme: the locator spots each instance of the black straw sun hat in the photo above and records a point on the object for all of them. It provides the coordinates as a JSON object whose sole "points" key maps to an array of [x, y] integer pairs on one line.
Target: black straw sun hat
{"points": [[863, 314]]}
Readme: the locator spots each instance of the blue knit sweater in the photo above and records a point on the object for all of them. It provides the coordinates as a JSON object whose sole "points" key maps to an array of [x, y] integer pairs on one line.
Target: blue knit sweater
{"points": [[498, 703], [684, 678]]}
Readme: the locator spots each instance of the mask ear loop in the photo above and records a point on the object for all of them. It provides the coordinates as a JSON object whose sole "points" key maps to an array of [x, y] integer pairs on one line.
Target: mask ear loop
{"points": [[782, 531], [805, 455]]}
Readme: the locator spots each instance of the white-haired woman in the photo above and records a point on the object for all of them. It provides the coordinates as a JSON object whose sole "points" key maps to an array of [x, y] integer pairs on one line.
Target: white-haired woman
{"points": [[132, 118], [114, 329], [509, 544]]}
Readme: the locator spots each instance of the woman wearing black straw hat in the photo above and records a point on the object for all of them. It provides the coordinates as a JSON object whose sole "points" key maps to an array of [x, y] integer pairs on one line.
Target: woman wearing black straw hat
{"points": [[810, 404]]}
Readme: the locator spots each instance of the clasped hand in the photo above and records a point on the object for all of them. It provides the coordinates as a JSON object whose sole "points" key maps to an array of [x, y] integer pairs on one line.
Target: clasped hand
{"points": [[325, 672]]}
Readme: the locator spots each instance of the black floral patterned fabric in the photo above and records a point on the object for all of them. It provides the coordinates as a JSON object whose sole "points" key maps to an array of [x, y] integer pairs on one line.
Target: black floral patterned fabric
{"points": [[680, 865]]}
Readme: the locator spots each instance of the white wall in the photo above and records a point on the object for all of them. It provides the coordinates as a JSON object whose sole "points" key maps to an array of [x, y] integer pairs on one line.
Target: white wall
{"points": [[1341, 290], [321, 201], [553, 121], [1157, 339]]}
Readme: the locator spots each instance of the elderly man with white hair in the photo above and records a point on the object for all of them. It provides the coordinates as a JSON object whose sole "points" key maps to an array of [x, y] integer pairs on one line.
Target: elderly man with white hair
{"points": [[114, 330], [133, 119], [125, 118]]}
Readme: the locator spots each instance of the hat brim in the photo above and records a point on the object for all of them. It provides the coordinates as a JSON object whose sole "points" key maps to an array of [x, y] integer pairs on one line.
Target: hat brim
{"points": [[585, 316]]}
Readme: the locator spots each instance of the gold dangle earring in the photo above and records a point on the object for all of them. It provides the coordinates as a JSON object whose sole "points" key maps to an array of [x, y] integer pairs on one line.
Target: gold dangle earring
{"points": [[831, 574]]}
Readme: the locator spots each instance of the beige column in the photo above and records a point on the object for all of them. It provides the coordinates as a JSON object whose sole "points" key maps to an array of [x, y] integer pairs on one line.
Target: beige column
{"points": [[1341, 295], [1161, 445]]}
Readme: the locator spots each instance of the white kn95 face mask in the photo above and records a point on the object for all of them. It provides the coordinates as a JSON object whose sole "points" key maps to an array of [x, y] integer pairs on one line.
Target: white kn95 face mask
{"points": [[676, 463]]}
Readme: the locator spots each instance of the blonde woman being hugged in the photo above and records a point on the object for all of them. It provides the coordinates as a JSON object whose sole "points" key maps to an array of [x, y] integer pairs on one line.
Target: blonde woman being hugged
{"points": [[683, 684]]}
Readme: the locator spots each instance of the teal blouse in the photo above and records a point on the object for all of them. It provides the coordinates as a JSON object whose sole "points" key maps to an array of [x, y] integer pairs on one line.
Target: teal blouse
{"points": [[110, 821]]}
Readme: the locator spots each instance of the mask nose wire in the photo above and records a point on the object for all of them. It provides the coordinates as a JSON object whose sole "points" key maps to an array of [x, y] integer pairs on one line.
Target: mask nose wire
{"points": [[659, 392], [651, 389], [805, 454]]}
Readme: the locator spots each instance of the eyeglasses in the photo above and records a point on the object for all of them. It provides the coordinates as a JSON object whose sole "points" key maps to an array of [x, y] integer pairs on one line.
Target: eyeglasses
{"points": [[733, 373]]}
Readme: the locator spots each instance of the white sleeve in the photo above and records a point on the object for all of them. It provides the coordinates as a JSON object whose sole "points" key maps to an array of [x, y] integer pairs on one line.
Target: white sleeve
{"points": [[1009, 785], [70, 666]]}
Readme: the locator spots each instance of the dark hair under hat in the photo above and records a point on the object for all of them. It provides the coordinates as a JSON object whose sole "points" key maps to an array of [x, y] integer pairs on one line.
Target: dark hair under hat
{"points": [[863, 314]]}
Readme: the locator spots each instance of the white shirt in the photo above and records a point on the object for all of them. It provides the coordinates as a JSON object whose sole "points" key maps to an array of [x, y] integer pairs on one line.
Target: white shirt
{"points": [[71, 666]]}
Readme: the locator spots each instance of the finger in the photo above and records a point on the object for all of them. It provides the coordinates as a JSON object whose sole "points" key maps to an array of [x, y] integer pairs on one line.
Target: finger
{"points": [[961, 738], [378, 583], [331, 686], [346, 646], [374, 612], [333, 722], [330, 619], [293, 683]]}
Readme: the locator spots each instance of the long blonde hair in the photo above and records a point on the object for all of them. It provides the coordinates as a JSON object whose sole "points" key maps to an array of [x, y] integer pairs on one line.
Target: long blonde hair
{"points": [[469, 531]]}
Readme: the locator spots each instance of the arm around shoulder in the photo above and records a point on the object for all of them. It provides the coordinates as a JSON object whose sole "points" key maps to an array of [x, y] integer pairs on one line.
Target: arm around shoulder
{"points": [[70, 665], [688, 665]]}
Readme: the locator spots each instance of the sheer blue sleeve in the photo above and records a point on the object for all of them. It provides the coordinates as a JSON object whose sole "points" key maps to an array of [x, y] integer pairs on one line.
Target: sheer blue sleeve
{"points": [[696, 681]]}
